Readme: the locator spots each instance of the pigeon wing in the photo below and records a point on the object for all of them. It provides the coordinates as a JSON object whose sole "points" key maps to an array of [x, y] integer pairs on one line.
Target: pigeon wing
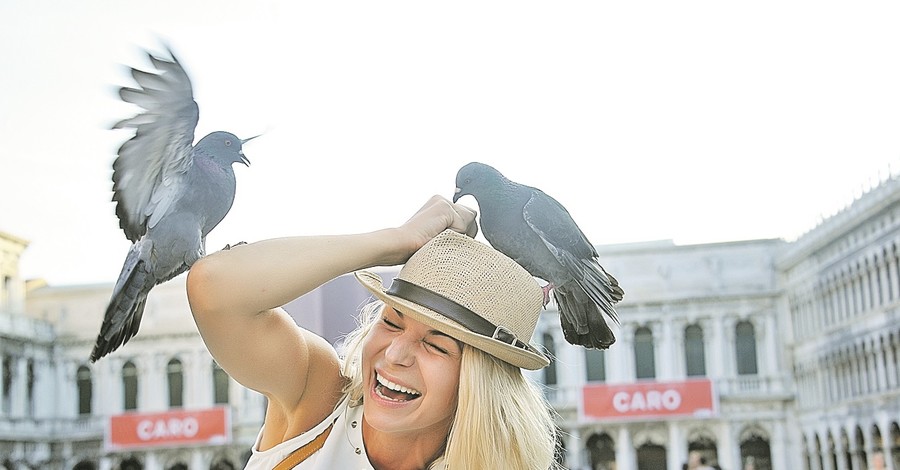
{"points": [[552, 222], [151, 165], [565, 240]]}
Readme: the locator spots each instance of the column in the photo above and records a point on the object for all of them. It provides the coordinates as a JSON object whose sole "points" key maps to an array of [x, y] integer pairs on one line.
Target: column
{"points": [[717, 345], [812, 451], [574, 449], [771, 351], [677, 452], [152, 461], [620, 362], [678, 363], [729, 446], [854, 450], [839, 448], [657, 329], [890, 359], [884, 424], [825, 450], [108, 398], [153, 391], [869, 443], [664, 349], [626, 458], [199, 381], [891, 276], [201, 458], [729, 364], [778, 446]]}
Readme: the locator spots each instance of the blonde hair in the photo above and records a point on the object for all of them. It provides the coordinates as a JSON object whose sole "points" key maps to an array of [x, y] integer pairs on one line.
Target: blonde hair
{"points": [[502, 419]]}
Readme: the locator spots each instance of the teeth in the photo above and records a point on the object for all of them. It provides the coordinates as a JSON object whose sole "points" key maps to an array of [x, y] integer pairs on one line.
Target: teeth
{"points": [[395, 387]]}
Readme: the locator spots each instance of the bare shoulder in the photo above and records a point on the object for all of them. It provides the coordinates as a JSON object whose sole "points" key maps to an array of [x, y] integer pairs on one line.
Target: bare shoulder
{"points": [[320, 396]]}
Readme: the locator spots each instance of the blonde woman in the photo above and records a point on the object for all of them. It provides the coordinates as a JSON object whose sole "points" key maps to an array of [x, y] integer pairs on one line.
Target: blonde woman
{"points": [[431, 378]]}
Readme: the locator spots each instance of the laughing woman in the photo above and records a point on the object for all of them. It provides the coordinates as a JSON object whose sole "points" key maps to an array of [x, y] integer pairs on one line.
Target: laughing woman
{"points": [[431, 378]]}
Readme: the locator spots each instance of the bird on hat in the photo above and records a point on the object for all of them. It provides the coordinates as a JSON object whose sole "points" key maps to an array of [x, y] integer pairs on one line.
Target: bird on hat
{"points": [[534, 229]]}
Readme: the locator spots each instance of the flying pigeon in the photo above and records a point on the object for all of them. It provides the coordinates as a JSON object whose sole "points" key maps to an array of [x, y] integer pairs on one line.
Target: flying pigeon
{"points": [[169, 193], [536, 231]]}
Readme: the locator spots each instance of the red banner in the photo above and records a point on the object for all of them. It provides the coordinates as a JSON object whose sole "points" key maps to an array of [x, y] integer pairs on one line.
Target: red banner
{"points": [[172, 428], [649, 399]]}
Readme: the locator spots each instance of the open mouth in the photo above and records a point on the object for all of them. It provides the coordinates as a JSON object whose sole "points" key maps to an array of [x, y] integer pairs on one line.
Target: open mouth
{"points": [[388, 390]]}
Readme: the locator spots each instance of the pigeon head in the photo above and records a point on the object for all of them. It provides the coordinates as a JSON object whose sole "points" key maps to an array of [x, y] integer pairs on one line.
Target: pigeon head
{"points": [[224, 147], [475, 178]]}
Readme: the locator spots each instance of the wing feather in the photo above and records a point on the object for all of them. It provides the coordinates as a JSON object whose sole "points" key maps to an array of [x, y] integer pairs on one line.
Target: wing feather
{"points": [[151, 163], [568, 244]]}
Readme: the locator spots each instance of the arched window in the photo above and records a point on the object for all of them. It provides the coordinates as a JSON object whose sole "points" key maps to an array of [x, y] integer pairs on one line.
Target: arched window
{"points": [[651, 455], [694, 351], [85, 390], [644, 360], [745, 348], [550, 371], [175, 374], [602, 451], [595, 365], [220, 385], [130, 385], [755, 450], [222, 464]]}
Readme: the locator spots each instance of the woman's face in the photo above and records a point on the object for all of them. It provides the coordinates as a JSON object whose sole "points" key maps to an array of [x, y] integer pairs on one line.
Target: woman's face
{"points": [[411, 375]]}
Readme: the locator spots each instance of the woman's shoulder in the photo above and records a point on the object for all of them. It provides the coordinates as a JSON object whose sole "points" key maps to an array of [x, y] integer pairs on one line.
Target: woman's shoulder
{"points": [[267, 458], [323, 392]]}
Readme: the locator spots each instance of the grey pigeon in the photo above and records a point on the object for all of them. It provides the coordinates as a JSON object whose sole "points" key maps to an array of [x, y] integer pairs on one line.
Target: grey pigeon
{"points": [[534, 229], [169, 193]]}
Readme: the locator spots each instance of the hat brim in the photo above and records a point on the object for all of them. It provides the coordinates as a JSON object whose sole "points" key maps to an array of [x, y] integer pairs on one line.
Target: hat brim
{"points": [[529, 358]]}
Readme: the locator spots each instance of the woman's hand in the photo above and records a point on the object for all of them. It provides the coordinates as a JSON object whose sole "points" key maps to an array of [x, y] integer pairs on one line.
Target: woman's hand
{"points": [[438, 214]]}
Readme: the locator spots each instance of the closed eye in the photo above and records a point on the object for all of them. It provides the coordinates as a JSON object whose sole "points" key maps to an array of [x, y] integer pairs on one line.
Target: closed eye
{"points": [[436, 347], [391, 325]]}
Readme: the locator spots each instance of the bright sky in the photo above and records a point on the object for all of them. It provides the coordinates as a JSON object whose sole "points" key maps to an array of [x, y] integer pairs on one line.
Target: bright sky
{"points": [[697, 121]]}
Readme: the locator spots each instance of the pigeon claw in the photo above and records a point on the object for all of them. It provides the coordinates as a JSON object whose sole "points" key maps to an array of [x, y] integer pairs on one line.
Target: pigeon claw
{"points": [[230, 246], [546, 289]]}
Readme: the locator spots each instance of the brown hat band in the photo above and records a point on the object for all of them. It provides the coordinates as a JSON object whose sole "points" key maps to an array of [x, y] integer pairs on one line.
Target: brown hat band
{"points": [[454, 311]]}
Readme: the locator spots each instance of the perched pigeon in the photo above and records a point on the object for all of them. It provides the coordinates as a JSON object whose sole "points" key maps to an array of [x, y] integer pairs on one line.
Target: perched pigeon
{"points": [[538, 232], [169, 193]]}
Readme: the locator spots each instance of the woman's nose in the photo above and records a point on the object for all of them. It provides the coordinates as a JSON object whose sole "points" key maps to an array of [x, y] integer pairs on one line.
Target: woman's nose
{"points": [[401, 350]]}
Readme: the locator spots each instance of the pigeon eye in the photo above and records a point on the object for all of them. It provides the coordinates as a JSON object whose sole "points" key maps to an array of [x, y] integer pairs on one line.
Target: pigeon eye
{"points": [[228, 143]]}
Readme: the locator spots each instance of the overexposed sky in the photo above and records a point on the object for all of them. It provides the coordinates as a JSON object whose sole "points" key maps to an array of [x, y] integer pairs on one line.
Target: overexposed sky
{"points": [[697, 121]]}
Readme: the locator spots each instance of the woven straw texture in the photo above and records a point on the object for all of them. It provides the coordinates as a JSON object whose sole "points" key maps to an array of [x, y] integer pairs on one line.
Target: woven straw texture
{"points": [[479, 278]]}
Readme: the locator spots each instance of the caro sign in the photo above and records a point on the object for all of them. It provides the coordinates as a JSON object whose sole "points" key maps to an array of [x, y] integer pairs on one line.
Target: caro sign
{"points": [[649, 399], [172, 428]]}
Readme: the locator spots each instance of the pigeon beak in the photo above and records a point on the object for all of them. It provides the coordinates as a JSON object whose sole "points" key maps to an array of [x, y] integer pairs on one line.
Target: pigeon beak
{"points": [[248, 139], [246, 161], [457, 194]]}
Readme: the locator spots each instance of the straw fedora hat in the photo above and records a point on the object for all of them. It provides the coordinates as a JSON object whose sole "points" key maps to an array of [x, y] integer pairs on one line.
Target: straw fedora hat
{"points": [[469, 291]]}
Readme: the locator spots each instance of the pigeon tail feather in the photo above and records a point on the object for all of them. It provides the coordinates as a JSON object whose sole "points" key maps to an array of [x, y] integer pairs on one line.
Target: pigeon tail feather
{"points": [[126, 308], [581, 320], [600, 286]]}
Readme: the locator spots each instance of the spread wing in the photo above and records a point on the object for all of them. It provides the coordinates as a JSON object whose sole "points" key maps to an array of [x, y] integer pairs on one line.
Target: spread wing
{"points": [[151, 165]]}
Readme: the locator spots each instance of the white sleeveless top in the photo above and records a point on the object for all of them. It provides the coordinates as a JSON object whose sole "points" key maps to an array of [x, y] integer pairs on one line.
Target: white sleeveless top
{"points": [[343, 449]]}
